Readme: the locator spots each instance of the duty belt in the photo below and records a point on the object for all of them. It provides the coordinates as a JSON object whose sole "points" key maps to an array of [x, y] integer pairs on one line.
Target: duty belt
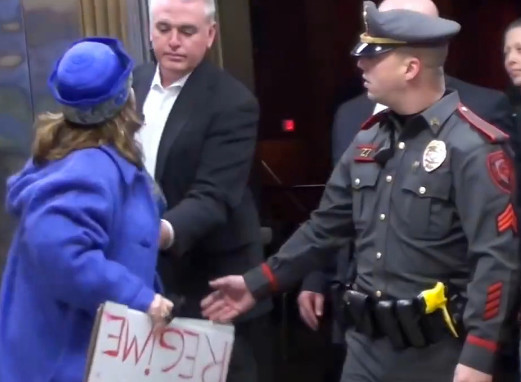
{"points": [[416, 322]]}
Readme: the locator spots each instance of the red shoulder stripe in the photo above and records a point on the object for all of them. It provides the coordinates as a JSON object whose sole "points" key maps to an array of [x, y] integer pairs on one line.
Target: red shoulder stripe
{"points": [[490, 131], [374, 119]]}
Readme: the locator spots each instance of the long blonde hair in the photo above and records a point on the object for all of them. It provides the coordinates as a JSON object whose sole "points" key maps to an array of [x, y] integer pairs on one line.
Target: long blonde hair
{"points": [[56, 137]]}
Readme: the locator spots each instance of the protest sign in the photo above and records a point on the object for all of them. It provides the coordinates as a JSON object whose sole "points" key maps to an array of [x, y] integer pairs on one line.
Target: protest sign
{"points": [[123, 348]]}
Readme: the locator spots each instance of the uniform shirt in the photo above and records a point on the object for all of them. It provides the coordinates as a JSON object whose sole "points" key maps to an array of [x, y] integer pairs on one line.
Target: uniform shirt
{"points": [[425, 202]]}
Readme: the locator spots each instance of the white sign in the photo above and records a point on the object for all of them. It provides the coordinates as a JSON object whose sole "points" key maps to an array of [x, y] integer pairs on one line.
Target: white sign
{"points": [[124, 349]]}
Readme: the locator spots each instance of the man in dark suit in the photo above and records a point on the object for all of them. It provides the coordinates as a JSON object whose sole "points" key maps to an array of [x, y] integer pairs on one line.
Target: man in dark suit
{"points": [[491, 105], [198, 142]]}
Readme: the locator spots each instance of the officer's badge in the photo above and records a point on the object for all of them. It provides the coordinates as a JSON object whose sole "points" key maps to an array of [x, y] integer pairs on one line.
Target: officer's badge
{"points": [[434, 155]]}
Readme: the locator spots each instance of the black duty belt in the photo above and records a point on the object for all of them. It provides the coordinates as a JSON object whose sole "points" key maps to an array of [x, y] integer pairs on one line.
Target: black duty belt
{"points": [[417, 322]]}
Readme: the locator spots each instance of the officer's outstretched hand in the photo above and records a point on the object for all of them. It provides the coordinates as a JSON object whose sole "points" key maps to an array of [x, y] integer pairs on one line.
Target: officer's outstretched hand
{"points": [[230, 299], [467, 374], [311, 306]]}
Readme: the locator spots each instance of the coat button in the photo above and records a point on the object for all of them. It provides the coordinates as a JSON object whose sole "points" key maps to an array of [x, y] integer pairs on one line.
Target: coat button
{"points": [[357, 181], [379, 255], [401, 145], [388, 178], [382, 217], [378, 294], [422, 190]]}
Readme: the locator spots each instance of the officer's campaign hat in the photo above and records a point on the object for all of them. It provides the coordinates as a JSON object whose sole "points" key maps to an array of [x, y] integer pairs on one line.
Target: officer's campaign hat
{"points": [[92, 80], [390, 29]]}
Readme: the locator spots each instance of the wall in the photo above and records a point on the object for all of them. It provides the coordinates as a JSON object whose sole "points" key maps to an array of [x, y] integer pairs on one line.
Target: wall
{"points": [[28, 48]]}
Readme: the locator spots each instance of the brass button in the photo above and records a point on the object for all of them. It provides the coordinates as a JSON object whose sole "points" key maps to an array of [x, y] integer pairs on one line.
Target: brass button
{"points": [[382, 217], [378, 294], [389, 179], [379, 255], [401, 145], [422, 190]]}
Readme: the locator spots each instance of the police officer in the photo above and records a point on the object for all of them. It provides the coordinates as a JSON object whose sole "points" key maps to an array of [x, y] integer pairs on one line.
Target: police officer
{"points": [[425, 191]]}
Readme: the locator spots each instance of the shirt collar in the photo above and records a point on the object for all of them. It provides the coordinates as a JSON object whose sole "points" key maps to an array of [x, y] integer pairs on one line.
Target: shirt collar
{"points": [[439, 113], [436, 115], [156, 81]]}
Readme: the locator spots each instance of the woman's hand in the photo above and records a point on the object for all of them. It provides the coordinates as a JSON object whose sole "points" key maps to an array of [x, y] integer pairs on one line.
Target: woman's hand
{"points": [[159, 310]]}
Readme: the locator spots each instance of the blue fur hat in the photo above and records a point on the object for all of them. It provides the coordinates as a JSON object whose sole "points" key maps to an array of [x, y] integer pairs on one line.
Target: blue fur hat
{"points": [[92, 80]]}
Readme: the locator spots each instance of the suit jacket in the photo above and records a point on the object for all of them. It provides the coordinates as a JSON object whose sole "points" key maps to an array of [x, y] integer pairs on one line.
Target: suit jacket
{"points": [[203, 167], [491, 105]]}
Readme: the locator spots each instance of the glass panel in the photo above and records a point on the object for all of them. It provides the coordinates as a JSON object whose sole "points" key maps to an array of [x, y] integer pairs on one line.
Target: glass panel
{"points": [[15, 106]]}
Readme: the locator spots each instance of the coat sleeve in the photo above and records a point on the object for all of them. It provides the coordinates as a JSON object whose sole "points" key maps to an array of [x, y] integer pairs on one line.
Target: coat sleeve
{"points": [[499, 112], [314, 244], [221, 177], [65, 228], [483, 180]]}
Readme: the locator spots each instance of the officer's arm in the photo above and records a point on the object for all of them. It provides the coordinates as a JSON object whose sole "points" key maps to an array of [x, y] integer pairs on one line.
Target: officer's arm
{"points": [[312, 245], [484, 204]]}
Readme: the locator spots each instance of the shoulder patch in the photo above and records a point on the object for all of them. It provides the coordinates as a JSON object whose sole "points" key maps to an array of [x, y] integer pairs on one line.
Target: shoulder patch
{"points": [[374, 119], [501, 170], [492, 133]]}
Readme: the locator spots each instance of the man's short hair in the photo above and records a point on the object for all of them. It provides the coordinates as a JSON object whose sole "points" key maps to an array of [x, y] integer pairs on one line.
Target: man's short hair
{"points": [[431, 57], [210, 9]]}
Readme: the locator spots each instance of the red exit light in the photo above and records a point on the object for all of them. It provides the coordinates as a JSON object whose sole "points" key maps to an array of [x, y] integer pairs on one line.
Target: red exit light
{"points": [[288, 125]]}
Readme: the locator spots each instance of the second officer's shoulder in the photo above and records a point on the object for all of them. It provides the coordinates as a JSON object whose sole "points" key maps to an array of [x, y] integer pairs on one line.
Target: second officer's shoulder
{"points": [[472, 131]]}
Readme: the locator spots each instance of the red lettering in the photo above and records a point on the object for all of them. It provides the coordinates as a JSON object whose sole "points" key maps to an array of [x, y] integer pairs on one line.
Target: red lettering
{"points": [[165, 345], [134, 345], [217, 363], [192, 356], [110, 317]]}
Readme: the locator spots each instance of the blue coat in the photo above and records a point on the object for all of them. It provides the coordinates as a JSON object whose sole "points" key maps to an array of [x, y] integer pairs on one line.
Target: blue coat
{"points": [[88, 232]]}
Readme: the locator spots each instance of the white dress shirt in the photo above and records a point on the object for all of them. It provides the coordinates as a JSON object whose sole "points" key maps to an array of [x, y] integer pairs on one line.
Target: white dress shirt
{"points": [[156, 109], [378, 108]]}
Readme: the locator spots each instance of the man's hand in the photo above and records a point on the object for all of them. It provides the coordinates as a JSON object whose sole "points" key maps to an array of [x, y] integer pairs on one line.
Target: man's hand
{"points": [[311, 308], [230, 299], [165, 235], [467, 374]]}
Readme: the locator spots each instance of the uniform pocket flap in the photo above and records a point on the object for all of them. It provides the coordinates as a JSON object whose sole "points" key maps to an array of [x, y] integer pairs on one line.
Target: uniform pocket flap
{"points": [[429, 185], [364, 175]]}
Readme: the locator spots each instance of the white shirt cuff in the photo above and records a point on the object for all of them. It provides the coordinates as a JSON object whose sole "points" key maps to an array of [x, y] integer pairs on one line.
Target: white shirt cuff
{"points": [[172, 233]]}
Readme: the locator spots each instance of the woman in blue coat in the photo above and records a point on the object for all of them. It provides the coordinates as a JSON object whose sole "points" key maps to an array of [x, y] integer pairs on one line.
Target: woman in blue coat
{"points": [[89, 221]]}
